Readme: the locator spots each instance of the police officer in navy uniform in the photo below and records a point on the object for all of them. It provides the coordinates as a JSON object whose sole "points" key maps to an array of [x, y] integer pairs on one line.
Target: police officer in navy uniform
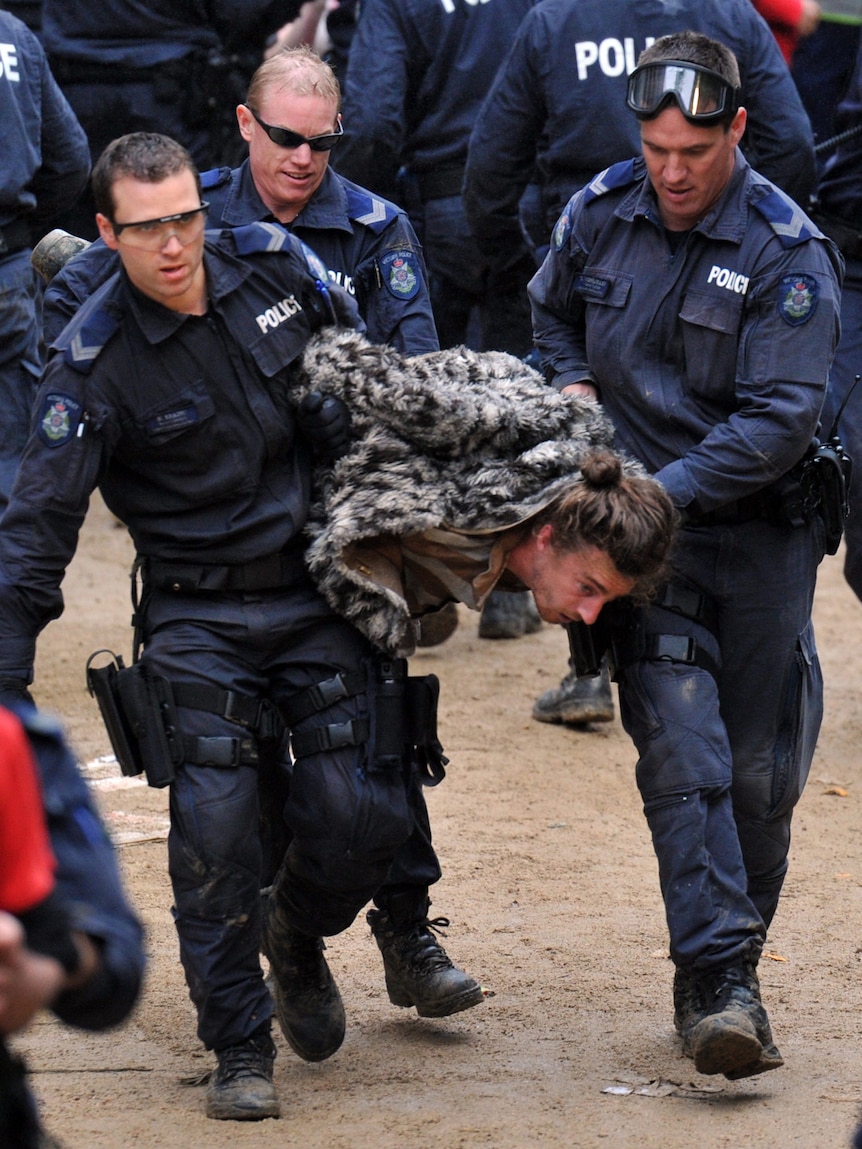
{"points": [[366, 242], [838, 212], [170, 391], [371, 251], [555, 115], [45, 165], [165, 66], [700, 305], [418, 72]]}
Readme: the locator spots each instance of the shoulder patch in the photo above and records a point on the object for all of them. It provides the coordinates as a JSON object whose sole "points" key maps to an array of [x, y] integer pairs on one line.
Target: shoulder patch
{"points": [[88, 339], [215, 178], [787, 219], [255, 237], [401, 273], [797, 298], [616, 176], [314, 263], [563, 228], [369, 210], [58, 419]]}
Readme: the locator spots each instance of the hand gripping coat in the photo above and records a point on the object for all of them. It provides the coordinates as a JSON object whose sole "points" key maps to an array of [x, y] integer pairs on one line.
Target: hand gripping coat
{"points": [[457, 438]]}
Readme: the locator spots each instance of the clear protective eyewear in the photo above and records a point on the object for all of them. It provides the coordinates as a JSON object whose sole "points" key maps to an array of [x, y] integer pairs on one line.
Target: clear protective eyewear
{"points": [[154, 234], [286, 138], [703, 96]]}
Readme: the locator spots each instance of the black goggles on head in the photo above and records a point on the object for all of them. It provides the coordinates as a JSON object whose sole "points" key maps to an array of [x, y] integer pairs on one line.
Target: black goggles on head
{"points": [[703, 96], [285, 138]]}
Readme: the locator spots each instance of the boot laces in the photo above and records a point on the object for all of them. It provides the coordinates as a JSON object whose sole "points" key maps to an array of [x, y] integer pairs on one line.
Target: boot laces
{"points": [[253, 1058], [421, 948]]}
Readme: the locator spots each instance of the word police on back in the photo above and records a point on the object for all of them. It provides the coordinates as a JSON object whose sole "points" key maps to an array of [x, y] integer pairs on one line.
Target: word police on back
{"points": [[614, 57]]}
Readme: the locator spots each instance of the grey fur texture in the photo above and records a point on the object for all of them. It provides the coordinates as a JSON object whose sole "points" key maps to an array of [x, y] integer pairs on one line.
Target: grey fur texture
{"points": [[462, 438]]}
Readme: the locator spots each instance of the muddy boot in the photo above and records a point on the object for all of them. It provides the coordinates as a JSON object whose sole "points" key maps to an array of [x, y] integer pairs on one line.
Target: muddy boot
{"points": [[689, 1006], [509, 615], [418, 969], [308, 1004], [734, 1037], [577, 701], [241, 1087]]}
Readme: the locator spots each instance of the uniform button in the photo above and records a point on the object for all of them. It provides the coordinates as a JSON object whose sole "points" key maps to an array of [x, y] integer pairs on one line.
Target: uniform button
{"points": [[176, 586]]}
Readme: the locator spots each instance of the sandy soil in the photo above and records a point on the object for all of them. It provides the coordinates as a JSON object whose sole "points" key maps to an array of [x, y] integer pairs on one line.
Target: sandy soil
{"points": [[551, 887]]}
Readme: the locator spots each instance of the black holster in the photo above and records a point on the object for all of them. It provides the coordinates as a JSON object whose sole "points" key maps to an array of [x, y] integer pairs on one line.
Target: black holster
{"points": [[140, 716]]}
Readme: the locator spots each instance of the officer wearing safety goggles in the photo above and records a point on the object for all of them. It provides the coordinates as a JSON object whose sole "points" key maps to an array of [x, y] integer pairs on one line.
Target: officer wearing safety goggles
{"points": [[703, 96]]}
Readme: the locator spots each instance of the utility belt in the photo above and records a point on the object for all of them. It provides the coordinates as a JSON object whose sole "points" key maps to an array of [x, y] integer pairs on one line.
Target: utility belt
{"points": [[270, 573], [819, 484], [14, 237], [440, 183], [140, 712], [846, 237]]}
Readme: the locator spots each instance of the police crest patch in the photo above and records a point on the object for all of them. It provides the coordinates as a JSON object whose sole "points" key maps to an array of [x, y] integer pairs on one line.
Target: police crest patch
{"points": [[561, 230], [797, 298], [58, 419], [401, 274]]}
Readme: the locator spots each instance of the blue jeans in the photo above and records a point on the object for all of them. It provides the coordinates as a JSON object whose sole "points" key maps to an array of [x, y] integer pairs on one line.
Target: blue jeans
{"points": [[724, 757]]}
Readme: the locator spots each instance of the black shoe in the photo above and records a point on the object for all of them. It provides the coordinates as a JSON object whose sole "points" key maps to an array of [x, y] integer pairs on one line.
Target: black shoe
{"points": [[241, 1087], [418, 970], [734, 1037], [508, 614], [577, 701], [308, 1005]]}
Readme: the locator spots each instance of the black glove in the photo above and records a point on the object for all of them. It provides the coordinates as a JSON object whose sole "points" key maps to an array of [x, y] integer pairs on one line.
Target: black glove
{"points": [[324, 420], [14, 690]]}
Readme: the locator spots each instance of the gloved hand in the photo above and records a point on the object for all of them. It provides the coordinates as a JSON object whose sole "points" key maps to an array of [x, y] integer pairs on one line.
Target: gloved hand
{"points": [[324, 420], [14, 690]]}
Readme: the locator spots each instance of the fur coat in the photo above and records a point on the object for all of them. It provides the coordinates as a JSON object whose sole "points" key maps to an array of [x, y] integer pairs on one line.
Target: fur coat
{"points": [[466, 439]]}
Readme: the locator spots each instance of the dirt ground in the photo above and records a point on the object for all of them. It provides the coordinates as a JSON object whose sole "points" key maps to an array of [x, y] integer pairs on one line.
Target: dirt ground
{"points": [[551, 887]]}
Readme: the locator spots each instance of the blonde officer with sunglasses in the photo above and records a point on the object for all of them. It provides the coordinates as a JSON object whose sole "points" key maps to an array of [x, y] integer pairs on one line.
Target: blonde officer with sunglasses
{"points": [[291, 122], [699, 305]]}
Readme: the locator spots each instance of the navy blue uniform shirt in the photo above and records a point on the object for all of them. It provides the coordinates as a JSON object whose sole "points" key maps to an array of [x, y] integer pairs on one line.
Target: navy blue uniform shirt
{"points": [[558, 104], [184, 422]]}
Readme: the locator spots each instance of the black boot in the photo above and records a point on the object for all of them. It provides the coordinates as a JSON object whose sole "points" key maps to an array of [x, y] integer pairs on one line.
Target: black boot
{"points": [[241, 1087], [308, 1004], [734, 1036], [689, 1006], [418, 969]]}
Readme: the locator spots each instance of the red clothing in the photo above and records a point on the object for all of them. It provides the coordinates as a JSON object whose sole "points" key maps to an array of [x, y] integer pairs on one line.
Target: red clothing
{"points": [[783, 18], [26, 861]]}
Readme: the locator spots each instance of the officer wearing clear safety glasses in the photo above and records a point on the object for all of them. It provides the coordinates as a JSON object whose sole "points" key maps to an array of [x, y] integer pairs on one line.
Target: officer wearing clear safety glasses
{"points": [[699, 305]]}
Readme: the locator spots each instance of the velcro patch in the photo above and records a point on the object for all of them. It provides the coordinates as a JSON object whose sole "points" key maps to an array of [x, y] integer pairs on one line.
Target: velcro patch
{"points": [[58, 419], [797, 298], [401, 274]]}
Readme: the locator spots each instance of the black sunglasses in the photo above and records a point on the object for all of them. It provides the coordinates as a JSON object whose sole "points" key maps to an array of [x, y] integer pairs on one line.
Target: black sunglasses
{"points": [[285, 138]]}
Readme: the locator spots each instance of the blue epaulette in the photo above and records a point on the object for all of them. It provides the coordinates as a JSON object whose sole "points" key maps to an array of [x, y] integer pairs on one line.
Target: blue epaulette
{"points": [[787, 219], [87, 340], [254, 237], [215, 178], [616, 176], [369, 210]]}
